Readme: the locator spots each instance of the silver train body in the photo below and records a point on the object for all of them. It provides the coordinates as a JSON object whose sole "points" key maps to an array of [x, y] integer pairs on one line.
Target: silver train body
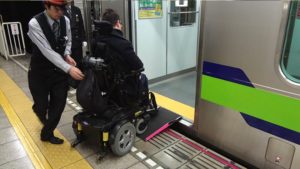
{"points": [[241, 42]]}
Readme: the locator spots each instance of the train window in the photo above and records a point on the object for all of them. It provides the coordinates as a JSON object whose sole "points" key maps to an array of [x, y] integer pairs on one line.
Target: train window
{"points": [[290, 62], [182, 12]]}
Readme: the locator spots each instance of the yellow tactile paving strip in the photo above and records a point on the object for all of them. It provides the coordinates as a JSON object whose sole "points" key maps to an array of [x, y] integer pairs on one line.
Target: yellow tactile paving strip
{"points": [[179, 108], [17, 107]]}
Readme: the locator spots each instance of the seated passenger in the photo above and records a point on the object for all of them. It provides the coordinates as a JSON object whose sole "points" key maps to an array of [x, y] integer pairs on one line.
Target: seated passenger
{"points": [[136, 87], [118, 43]]}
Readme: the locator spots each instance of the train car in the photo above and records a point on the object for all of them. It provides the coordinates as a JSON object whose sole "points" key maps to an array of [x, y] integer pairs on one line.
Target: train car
{"points": [[248, 97]]}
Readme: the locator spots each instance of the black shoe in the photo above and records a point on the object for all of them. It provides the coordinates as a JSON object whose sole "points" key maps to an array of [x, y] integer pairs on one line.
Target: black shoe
{"points": [[54, 140]]}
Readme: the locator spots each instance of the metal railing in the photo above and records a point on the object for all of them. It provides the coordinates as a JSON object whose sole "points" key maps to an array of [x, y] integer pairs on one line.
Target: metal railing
{"points": [[11, 39], [2, 42]]}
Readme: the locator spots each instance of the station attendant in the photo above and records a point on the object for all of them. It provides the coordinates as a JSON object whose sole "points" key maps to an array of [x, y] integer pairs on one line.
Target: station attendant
{"points": [[50, 65]]}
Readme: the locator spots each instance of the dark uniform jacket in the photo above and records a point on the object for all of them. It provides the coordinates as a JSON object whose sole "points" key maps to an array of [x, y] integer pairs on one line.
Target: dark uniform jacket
{"points": [[77, 27]]}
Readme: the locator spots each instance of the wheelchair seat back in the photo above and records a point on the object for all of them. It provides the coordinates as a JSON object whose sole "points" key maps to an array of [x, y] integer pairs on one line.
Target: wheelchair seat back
{"points": [[115, 82]]}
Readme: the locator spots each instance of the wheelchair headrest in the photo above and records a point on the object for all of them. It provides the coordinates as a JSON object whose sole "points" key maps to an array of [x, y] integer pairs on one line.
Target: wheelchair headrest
{"points": [[103, 27]]}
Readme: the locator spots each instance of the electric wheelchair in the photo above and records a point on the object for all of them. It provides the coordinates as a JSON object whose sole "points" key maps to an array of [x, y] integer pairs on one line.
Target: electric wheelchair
{"points": [[116, 102]]}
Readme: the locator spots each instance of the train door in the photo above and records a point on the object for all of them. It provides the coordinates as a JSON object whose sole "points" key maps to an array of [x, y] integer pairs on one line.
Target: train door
{"points": [[166, 35], [182, 30]]}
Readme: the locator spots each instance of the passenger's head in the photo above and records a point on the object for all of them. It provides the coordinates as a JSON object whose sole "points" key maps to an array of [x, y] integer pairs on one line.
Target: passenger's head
{"points": [[55, 8], [112, 17]]}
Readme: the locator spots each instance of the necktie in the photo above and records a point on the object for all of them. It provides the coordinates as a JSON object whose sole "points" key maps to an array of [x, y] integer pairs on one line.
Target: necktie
{"points": [[69, 11], [55, 29]]}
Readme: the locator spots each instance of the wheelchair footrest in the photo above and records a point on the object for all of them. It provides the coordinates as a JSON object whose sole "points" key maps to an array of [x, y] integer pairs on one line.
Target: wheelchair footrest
{"points": [[162, 120]]}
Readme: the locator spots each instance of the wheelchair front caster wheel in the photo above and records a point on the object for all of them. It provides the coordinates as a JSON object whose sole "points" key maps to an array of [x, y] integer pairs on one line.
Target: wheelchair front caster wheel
{"points": [[141, 126]]}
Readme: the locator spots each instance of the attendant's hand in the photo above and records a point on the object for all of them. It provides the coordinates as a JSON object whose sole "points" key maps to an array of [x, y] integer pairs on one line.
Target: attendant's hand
{"points": [[76, 74]]}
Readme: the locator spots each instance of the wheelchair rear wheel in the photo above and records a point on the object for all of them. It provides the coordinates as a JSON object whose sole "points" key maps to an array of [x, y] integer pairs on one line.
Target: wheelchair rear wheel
{"points": [[123, 138]]}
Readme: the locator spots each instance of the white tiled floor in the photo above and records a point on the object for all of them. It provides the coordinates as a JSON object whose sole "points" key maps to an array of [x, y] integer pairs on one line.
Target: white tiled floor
{"points": [[7, 135], [21, 163], [12, 153]]}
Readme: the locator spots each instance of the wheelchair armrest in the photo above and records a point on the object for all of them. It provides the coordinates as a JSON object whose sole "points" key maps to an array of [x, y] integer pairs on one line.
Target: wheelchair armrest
{"points": [[95, 63], [138, 71], [134, 73]]}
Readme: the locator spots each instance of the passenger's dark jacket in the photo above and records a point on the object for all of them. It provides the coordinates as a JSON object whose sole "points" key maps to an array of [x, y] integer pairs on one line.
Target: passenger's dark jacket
{"points": [[123, 47]]}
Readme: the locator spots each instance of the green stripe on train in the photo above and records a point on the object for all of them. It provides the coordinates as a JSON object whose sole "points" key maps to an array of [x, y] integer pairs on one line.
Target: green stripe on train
{"points": [[271, 107]]}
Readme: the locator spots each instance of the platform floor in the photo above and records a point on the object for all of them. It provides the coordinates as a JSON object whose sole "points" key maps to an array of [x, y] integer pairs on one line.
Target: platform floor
{"points": [[20, 146], [12, 152], [181, 88]]}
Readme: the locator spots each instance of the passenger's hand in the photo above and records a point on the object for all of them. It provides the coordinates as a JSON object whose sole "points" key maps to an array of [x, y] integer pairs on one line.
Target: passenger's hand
{"points": [[70, 60], [75, 73], [84, 44]]}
